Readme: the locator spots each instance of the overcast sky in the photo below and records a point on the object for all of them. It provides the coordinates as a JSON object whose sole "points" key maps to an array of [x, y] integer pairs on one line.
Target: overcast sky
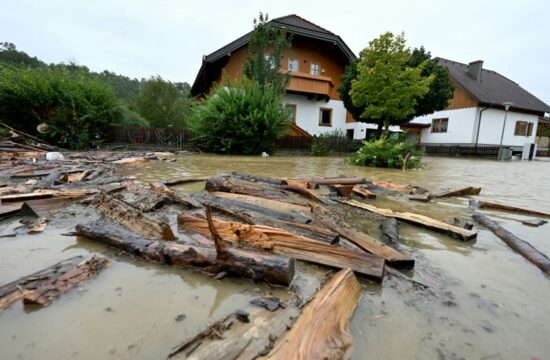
{"points": [[141, 38]]}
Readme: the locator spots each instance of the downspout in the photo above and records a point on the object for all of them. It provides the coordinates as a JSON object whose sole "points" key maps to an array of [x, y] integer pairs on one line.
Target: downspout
{"points": [[479, 124]]}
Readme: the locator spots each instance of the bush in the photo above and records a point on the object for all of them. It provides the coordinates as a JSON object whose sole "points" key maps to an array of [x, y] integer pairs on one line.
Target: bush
{"points": [[77, 109], [243, 118], [389, 153], [323, 144]]}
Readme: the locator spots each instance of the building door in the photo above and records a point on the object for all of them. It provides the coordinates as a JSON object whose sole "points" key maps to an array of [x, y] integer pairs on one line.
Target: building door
{"points": [[349, 134]]}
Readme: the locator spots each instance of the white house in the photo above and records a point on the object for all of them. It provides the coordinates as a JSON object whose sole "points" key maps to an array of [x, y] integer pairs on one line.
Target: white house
{"points": [[476, 114]]}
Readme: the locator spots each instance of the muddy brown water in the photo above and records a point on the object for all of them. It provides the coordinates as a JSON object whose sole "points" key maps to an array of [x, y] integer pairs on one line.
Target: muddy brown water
{"points": [[484, 302]]}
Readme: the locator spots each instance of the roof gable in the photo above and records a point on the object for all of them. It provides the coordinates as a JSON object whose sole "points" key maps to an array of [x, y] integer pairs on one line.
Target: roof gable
{"points": [[295, 20], [493, 88]]}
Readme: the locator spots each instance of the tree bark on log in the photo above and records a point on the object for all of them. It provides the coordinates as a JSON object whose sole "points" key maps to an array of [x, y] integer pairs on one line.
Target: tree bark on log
{"points": [[273, 269], [223, 184], [334, 181], [520, 246], [285, 243], [176, 197], [132, 218], [459, 191], [321, 332], [43, 287], [257, 178], [304, 191], [281, 206], [365, 242], [47, 194], [497, 206], [417, 219]]}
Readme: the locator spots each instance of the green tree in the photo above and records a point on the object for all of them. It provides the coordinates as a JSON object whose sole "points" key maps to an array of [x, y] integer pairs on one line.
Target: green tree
{"points": [[260, 66], [244, 117], [10, 55], [386, 87], [441, 88], [163, 104]]}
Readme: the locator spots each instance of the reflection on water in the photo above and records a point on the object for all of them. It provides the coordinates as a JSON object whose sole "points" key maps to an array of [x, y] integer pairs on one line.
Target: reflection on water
{"points": [[485, 301]]}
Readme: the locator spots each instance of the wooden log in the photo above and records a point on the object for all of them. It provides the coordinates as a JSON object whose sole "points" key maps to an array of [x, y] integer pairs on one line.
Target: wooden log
{"points": [[257, 178], [321, 332], [186, 180], [520, 246], [299, 183], [236, 206], [177, 197], [46, 194], [363, 192], [272, 204], [270, 268], [504, 207], [223, 184], [424, 197], [417, 219], [131, 161], [391, 185], [283, 242], [458, 191], [343, 190], [97, 182], [364, 241], [334, 180], [43, 287], [132, 218], [310, 194]]}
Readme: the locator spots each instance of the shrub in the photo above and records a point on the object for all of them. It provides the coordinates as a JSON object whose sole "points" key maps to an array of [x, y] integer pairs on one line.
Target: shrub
{"points": [[242, 118], [389, 153], [323, 144]]}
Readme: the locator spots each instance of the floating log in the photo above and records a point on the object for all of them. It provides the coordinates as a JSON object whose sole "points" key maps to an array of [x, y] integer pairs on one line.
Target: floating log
{"points": [[330, 181], [283, 242], [272, 204], [343, 190], [364, 241], [132, 218], [43, 287], [130, 161], [257, 178], [270, 268], [46, 194], [363, 192], [187, 180], [417, 219], [176, 197], [321, 332], [520, 246], [392, 186], [497, 206], [459, 191], [236, 206], [223, 184], [304, 191]]}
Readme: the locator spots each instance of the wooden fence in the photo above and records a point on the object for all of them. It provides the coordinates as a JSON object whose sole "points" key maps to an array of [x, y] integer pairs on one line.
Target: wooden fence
{"points": [[484, 151]]}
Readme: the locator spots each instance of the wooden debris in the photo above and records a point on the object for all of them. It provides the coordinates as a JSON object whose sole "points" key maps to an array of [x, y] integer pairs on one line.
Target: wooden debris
{"points": [[270, 268], [459, 191], [46, 194], [424, 197], [43, 287], [321, 332], [176, 197], [391, 185], [304, 191], [520, 246], [497, 206], [22, 209], [417, 219], [534, 222], [390, 232], [130, 161], [257, 178], [283, 242], [363, 192], [343, 190], [331, 181], [38, 226], [187, 180], [132, 218], [299, 183], [364, 241], [224, 184], [272, 204]]}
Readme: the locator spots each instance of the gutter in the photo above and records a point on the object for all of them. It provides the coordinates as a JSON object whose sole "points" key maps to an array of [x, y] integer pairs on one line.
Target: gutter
{"points": [[479, 123]]}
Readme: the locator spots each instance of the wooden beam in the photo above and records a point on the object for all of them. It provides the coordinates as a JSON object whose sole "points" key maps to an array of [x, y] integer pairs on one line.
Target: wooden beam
{"points": [[186, 180], [504, 207], [176, 197], [46, 194], [417, 219], [331, 181], [458, 191], [363, 192]]}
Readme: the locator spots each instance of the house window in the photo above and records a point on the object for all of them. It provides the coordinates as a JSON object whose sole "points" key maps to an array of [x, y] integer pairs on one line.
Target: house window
{"points": [[270, 60], [440, 125], [349, 134], [292, 65], [523, 128], [325, 117], [315, 69], [292, 114]]}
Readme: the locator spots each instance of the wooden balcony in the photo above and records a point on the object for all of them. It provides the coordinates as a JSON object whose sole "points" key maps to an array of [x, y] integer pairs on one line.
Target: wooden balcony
{"points": [[310, 84]]}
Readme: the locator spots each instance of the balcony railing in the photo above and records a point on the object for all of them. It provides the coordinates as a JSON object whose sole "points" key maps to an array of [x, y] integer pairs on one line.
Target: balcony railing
{"points": [[310, 84]]}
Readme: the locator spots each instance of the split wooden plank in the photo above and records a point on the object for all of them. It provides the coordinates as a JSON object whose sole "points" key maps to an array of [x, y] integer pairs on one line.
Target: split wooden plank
{"points": [[274, 269], [268, 203], [458, 191], [417, 219], [43, 287], [227, 185], [364, 192], [46, 194], [522, 247], [130, 161], [364, 241], [392, 186], [283, 242], [497, 206], [321, 332], [132, 218], [186, 180]]}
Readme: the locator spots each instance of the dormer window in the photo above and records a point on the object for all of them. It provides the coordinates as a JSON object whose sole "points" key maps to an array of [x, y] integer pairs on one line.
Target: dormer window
{"points": [[292, 65], [315, 69]]}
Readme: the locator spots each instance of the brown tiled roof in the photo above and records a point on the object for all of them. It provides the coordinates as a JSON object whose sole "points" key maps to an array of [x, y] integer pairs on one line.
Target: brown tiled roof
{"points": [[295, 20], [493, 88]]}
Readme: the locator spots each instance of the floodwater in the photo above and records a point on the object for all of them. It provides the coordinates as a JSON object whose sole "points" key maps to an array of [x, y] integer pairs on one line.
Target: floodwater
{"points": [[484, 302]]}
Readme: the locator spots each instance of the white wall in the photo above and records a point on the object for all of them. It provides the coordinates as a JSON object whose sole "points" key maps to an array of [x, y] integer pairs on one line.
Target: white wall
{"points": [[492, 121], [460, 129]]}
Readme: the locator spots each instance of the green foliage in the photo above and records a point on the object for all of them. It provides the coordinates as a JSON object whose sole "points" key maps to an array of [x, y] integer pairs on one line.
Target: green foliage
{"points": [[242, 118], [10, 55], [163, 104], [386, 87], [78, 110], [322, 144], [441, 88], [267, 40], [387, 153]]}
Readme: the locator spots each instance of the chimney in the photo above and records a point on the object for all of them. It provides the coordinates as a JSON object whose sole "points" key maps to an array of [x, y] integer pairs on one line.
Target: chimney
{"points": [[474, 69]]}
